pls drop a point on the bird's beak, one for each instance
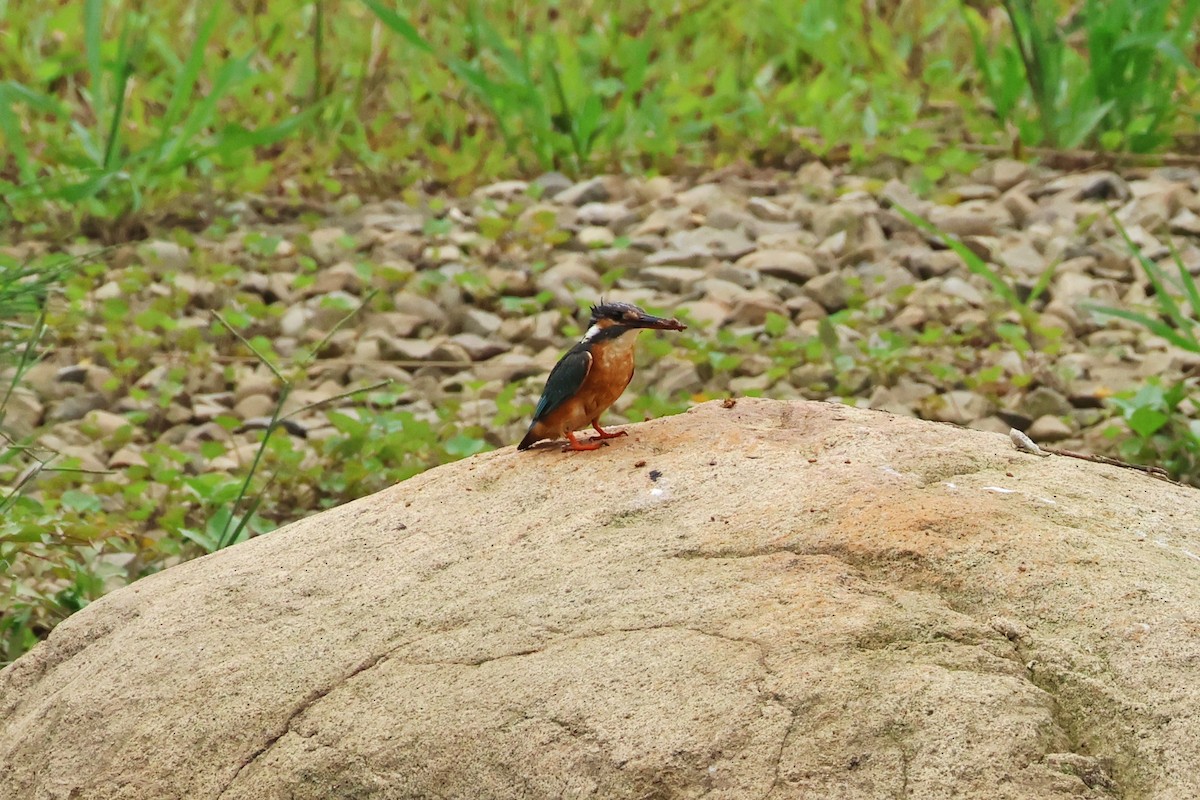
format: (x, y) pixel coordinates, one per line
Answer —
(660, 323)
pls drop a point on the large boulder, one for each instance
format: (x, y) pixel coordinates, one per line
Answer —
(768, 600)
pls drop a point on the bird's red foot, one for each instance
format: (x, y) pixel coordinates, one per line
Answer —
(605, 434)
(575, 444)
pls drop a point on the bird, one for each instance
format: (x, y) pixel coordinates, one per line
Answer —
(591, 376)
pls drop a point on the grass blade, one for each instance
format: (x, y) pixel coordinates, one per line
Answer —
(185, 81)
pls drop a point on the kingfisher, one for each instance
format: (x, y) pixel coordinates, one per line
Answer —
(591, 376)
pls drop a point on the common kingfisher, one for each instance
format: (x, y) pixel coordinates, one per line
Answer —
(591, 376)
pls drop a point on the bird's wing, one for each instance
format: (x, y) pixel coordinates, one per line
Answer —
(564, 381)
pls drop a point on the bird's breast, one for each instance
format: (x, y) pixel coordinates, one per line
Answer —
(612, 368)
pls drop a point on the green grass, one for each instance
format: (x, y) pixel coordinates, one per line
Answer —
(113, 112)
(1106, 77)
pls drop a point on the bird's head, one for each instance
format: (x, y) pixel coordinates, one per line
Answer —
(610, 320)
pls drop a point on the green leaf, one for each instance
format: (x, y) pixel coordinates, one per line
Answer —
(1146, 421)
(463, 445)
(83, 502)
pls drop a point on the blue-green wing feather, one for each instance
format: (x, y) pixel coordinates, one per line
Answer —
(564, 381)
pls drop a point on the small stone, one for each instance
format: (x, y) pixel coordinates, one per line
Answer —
(703, 198)
(753, 307)
(327, 244)
(1049, 429)
(105, 423)
(73, 408)
(727, 218)
(296, 320)
(1186, 222)
(967, 219)
(1019, 206)
(169, 256)
(767, 210)
(479, 348)
(845, 215)
(76, 373)
(415, 306)
(406, 349)
(254, 405)
(976, 191)
(910, 318)
(881, 278)
(566, 277)
(1007, 173)
(674, 377)
(672, 257)
(958, 407)
(706, 313)
(669, 279)
(926, 263)
(545, 329)
(552, 184)
(441, 254)
(732, 273)
(502, 190)
(706, 241)
(126, 457)
(254, 383)
(108, 291)
(594, 237)
(22, 414)
(341, 277)
(831, 290)
(990, 424)
(1021, 257)
(656, 188)
(480, 322)
(1043, 401)
(601, 213)
(508, 367)
(592, 190)
(790, 265)
(957, 287)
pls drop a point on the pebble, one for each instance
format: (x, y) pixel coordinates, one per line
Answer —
(508, 367)
(480, 348)
(480, 322)
(1043, 401)
(1049, 429)
(328, 244)
(711, 242)
(678, 280)
(592, 190)
(725, 254)
(254, 405)
(552, 184)
(765, 209)
(832, 291)
(602, 214)
(594, 237)
(105, 423)
(502, 190)
(23, 413)
(790, 265)
(958, 407)
(76, 407)
(165, 256)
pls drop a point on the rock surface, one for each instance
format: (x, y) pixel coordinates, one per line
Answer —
(772, 600)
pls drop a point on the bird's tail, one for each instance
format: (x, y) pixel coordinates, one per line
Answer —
(529, 439)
